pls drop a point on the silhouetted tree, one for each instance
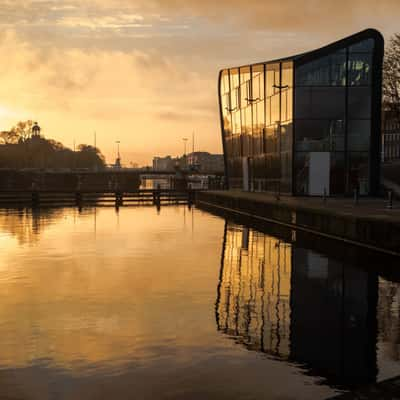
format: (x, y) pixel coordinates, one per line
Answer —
(391, 77)
(17, 133)
(18, 149)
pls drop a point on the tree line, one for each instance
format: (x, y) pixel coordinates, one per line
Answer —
(20, 149)
(391, 78)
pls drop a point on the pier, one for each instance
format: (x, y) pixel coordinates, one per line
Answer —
(373, 223)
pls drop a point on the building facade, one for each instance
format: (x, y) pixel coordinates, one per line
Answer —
(203, 161)
(164, 163)
(308, 124)
(390, 137)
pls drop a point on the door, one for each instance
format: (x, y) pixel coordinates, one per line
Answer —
(319, 173)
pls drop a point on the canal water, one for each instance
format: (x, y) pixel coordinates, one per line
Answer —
(182, 304)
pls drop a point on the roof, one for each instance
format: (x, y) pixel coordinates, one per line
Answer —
(327, 49)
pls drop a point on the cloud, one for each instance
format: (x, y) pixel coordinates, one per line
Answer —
(147, 96)
(146, 70)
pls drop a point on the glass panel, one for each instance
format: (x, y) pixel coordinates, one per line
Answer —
(275, 110)
(365, 46)
(337, 174)
(320, 103)
(320, 135)
(273, 79)
(359, 69)
(328, 103)
(271, 140)
(245, 86)
(287, 91)
(326, 71)
(245, 110)
(258, 82)
(258, 107)
(234, 80)
(287, 74)
(225, 103)
(286, 137)
(359, 172)
(302, 102)
(359, 133)
(359, 102)
(301, 167)
(236, 122)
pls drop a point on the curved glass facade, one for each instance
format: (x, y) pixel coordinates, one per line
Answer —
(306, 125)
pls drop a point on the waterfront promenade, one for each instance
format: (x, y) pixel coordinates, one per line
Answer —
(368, 222)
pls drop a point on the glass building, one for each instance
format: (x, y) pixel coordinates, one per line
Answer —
(307, 124)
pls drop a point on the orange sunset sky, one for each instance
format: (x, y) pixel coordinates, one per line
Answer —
(145, 71)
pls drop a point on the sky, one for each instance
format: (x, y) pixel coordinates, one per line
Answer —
(144, 72)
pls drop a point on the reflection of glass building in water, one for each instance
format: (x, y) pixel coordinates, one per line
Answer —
(297, 305)
(254, 294)
(306, 124)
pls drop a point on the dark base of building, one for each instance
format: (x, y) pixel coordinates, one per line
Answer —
(368, 223)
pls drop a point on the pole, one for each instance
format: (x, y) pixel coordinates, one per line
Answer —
(118, 142)
(184, 146)
(184, 151)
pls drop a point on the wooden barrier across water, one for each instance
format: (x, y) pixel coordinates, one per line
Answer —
(156, 197)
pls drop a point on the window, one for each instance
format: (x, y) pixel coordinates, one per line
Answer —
(320, 102)
(359, 102)
(320, 135)
(358, 136)
(359, 69)
(326, 71)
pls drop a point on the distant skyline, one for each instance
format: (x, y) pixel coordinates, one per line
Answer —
(144, 72)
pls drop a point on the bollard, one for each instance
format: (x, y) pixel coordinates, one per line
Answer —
(355, 197)
(118, 198)
(390, 200)
(158, 196)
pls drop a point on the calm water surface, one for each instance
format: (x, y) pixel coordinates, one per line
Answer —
(182, 304)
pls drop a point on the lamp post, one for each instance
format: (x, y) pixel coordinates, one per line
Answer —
(118, 160)
(184, 150)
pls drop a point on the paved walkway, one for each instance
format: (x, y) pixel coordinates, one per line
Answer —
(369, 208)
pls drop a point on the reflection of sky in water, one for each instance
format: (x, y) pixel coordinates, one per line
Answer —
(104, 304)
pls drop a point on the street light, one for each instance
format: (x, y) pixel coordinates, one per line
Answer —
(118, 142)
(184, 145)
(184, 151)
(118, 160)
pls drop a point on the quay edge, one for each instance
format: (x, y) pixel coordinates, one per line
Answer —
(368, 225)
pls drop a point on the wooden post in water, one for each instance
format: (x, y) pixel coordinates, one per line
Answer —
(158, 196)
(190, 194)
(78, 193)
(35, 195)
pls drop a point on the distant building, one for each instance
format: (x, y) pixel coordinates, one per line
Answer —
(164, 163)
(205, 162)
(390, 137)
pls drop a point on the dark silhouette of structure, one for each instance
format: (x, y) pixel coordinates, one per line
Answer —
(307, 124)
